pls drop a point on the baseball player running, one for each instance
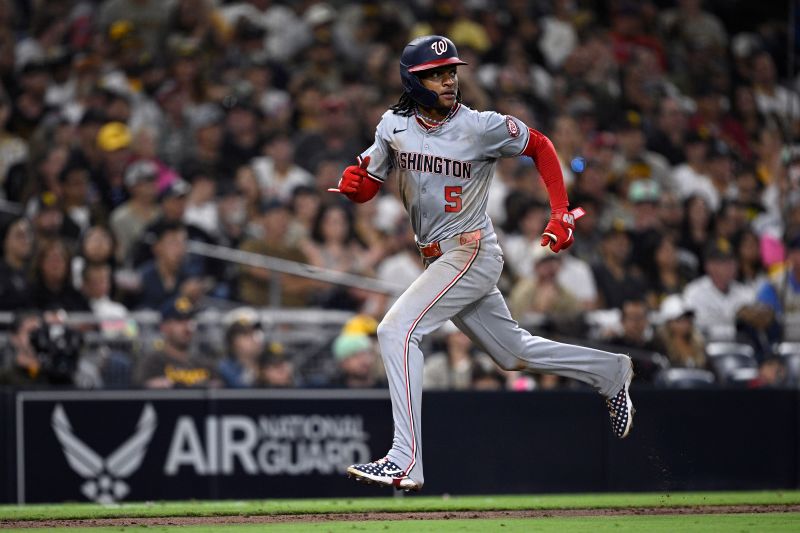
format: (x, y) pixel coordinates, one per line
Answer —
(445, 153)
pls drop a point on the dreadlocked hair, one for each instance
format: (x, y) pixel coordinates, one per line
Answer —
(406, 106)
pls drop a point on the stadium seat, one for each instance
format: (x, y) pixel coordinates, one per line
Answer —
(728, 357)
(685, 378)
(790, 353)
(718, 348)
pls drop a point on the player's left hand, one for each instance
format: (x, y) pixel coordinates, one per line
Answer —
(560, 229)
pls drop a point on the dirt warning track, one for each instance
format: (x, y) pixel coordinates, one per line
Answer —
(360, 517)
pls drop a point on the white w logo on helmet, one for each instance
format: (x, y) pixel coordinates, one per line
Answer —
(439, 47)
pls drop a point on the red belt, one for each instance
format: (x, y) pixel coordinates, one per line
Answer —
(436, 249)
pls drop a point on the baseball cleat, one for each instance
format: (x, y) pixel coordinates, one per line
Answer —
(383, 472)
(620, 409)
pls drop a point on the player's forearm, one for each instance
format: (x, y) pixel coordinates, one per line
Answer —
(544, 155)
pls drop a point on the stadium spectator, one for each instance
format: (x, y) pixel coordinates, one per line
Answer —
(114, 140)
(47, 219)
(277, 173)
(242, 141)
(634, 161)
(52, 283)
(751, 271)
(637, 338)
(717, 299)
(171, 272)
(277, 371)
(356, 361)
(257, 285)
(95, 248)
(542, 294)
(177, 363)
(682, 342)
(771, 98)
(667, 272)
(247, 184)
(129, 220)
(488, 378)
(19, 362)
(244, 345)
(17, 239)
(334, 245)
(666, 137)
(690, 177)
(96, 288)
(451, 368)
(781, 294)
(79, 210)
(616, 277)
(696, 227)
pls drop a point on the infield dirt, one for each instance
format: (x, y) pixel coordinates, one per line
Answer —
(360, 517)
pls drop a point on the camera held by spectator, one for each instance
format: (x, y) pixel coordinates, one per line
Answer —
(57, 347)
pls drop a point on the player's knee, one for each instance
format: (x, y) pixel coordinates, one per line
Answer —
(387, 331)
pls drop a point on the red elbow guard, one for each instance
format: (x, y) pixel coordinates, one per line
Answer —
(366, 192)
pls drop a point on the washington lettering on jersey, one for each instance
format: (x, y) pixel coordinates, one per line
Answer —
(434, 164)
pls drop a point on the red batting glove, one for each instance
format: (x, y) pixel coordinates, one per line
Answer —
(559, 230)
(353, 176)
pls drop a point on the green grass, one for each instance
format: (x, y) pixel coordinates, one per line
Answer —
(415, 503)
(740, 523)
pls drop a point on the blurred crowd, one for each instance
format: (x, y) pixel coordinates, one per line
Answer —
(131, 128)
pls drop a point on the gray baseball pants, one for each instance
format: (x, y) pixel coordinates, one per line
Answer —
(462, 285)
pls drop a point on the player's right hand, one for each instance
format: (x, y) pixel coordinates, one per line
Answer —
(353, 176)
(560, 229)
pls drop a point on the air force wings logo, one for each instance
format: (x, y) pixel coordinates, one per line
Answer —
(105, 476)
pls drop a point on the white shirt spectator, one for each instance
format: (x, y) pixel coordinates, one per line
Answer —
(274, 185)
(688, 182)
(575, 275)
(715, 311)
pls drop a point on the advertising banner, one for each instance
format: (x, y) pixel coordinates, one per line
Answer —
(109, 446)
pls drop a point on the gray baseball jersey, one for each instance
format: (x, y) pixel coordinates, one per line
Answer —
(445, 172)
(444, 179)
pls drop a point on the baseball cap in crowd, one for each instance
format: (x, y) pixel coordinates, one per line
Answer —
(360, 325)
(695, 136)
(617, 227)
(274, 354)
(179, 308)
(348, 345)
(140, 172)
(630, 121)
(242, 320)
(113, 136)
(719, 249)
(673, 307)
(177, 189)
(644, 191)
(243, 317)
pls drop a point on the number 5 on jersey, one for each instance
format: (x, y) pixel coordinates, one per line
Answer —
(452, 197)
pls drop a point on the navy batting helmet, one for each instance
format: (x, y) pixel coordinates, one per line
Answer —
(424, 53)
